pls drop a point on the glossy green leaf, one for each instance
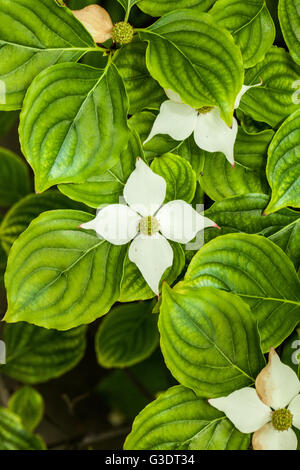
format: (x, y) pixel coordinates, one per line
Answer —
(159, 8)
(35, 355)
(209, 67)
(134, 286)
(127, 335)
(189, 150)
(142, 90)
(219, 180)
(14, 178)
(73, 124)
(283, 168)
(209, 339)
(276, 98)
(289, 17)
(17, 219)
(59, 276)
(288, 238)
(14, 436)
(28, 404)
(107, 188)
(179, 176)
(32, 39)
(260, 272)
(251, 25)
(179, 420)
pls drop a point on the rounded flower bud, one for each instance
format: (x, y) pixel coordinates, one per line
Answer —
(97, 21)
(122, 33)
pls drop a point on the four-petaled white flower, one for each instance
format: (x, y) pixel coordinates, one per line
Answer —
(2, 352)
(180, 120)
(270, 411)
(143, 219)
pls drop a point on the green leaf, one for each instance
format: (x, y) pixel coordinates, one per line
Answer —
(32, 39)
(203, 52)
(13, 436)
(107, 188)
(159, 8)
(219, 180)
(179, 420)
(74, 123)
(127, 335)
(283, 168)
(288, 238)
(209, 339)
(142, 90)
(59, 276)
(29, 405)
(275, 99)
(250, 24)
(189, 150)
(14, 178)
(289, 17)
(260, 272)
(134, 286)
(179, 176)
(244, 214)
(35, 355)
(17, 219)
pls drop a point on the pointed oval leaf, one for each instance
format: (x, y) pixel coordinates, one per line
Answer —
(59, 276)
(203, 52)
(28, 404)
(127, 335)
(66, 131)
(32, 39)
(179, 420)
(283, 168)
(35, 355)
(260, 272)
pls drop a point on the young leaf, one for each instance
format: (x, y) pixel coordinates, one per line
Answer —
(35, 355)
(260, 272)
(283, 168)
(289, 17)
(209, 67)
(179, 176)
(32, 39)
(159, 8)
(179, 420)
(14, 178)
(74, 123)
(127, 335)
(59, 276)
(17, 219)
(209, 339)
(14, 436)
(251, 25)
(276, 98)
(28, 404)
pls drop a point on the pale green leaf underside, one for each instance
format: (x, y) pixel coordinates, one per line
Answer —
(33, 38)
(209, 339)
(35, 355)
(73, 123)
(283, 168)
(179, 420)
(59, 276)
(209, 67)
(257, 270)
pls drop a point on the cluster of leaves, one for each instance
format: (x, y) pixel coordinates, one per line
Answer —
(86, 110)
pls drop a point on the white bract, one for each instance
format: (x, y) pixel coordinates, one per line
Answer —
(148, 224)
(2, 352)
(270, 411)
(180, 120)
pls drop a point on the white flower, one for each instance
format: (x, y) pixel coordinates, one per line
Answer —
(2, 352)
(143, 219)
(270, 411)
(179, 120)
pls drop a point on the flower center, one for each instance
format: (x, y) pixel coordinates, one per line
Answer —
(148, 225)
(122, 33)
(282, 419)
(204, 110)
